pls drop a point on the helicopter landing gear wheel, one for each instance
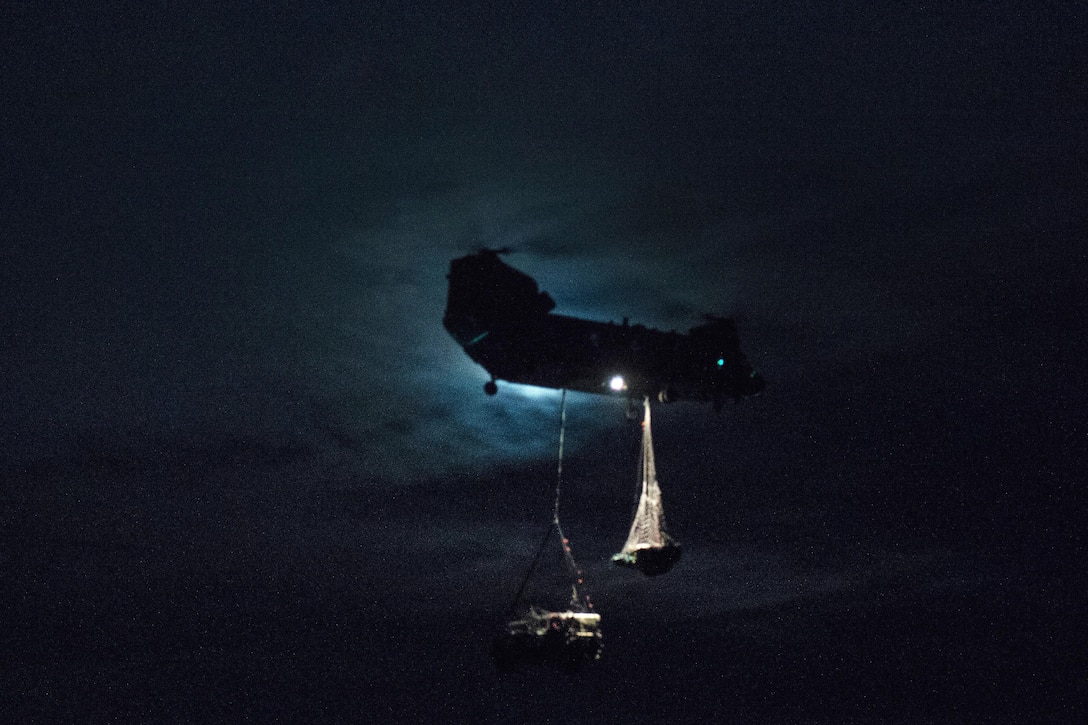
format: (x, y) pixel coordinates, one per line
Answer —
(490, 387)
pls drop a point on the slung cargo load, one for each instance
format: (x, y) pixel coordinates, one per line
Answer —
(648, 548)
(569, 639)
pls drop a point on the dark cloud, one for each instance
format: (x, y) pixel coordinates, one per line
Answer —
(248, 473)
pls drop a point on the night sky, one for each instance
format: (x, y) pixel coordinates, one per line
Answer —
(247, 474)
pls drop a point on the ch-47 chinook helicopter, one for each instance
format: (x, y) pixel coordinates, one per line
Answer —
(505, 323)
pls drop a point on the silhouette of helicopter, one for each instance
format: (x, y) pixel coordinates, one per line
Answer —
(505, 323)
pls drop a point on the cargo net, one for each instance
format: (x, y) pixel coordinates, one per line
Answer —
(649, 548)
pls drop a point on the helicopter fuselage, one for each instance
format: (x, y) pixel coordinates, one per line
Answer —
(503, 323)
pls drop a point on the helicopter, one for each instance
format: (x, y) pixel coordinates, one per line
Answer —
(505, 323)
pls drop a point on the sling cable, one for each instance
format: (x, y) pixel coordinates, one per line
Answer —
(569, 638)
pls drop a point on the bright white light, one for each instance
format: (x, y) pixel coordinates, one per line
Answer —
(617, 384)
